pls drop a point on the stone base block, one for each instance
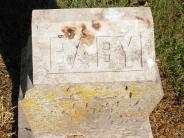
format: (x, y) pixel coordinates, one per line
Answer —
(92, 110)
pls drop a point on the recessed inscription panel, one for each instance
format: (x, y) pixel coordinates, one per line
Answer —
(110, 53)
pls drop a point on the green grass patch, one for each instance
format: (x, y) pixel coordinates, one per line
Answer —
(169, 33)
(91, 3)
(169, 36)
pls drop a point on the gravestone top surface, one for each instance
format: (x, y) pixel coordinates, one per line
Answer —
(93, 45)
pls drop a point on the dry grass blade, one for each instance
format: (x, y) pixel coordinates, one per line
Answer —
(6, 109)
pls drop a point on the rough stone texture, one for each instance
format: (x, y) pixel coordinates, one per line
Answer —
(68, 47)
(89, 109)
(24, 130)
(94, 74)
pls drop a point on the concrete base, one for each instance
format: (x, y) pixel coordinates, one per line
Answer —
(130, 131)
(92, 109)
(24, 130)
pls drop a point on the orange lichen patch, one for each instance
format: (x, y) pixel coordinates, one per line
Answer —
(69, 32)
(146, 21)
(78, 116)
(96, 24)
(86, 37)
(133, 89)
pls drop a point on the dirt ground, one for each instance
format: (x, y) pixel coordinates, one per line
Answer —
(167, 119)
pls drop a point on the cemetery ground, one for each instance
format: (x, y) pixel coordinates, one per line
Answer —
(167, 119)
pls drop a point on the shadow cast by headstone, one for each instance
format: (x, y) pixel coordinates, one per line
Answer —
(15, 28)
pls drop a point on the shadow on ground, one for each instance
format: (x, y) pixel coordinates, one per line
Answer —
(15, 27)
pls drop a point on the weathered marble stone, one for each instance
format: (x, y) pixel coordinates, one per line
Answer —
(94, 74)
(92, 45)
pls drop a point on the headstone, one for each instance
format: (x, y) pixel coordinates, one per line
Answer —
(94, 74)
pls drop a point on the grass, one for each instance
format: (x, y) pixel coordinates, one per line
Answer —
(169, 37)
(169, 31)
(6, 118)
(91, 3)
